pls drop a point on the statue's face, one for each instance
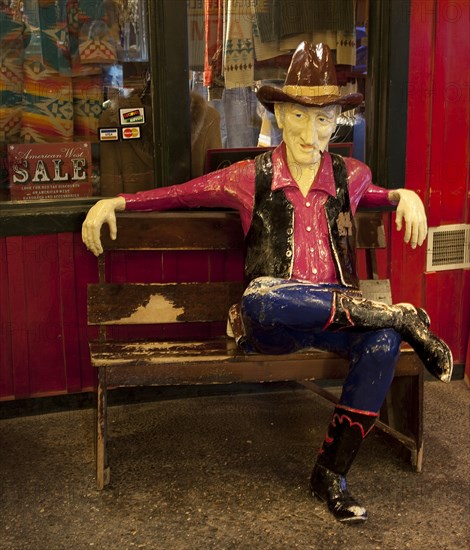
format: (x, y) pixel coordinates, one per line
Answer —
(306, 131)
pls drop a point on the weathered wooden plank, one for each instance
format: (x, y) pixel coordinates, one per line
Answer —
(137, 304)
(221, 372)
(218, 355)
(208, 230)
(217, 349)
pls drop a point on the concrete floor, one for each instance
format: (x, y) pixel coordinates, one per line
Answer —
(229, 472)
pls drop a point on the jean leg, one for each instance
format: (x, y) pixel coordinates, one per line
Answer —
(271, 302)
(373, 357)
(285, 316)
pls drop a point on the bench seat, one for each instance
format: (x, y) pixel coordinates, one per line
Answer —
(217, 361)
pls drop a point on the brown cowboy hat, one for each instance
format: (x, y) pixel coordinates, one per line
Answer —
(310, 81)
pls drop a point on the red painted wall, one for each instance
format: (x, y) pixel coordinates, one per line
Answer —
(438, 160)
(43, 347)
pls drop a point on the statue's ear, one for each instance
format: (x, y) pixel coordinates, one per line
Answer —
(279, 114)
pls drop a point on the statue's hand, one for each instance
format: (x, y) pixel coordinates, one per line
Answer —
(102, 212)
(411, 209)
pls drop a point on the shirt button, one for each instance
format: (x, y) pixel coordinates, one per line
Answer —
(307, 204)
(312, 250)
(308, 228)
(289, 253)
(314, 270)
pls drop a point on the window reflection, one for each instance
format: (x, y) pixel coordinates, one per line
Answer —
(236, 46)
(67, 67)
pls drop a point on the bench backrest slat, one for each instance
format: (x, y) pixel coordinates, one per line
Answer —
(208, 230)
(140, 304)
(176, 231)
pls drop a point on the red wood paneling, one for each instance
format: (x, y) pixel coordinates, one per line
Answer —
(69, 312)
(467, 364)
(43, 316)
(15, 283)
(445, 309)
(437, 159)
(6, 372)
(450, 114)
(407, 266)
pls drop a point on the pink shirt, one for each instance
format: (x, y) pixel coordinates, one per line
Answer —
(234, 187)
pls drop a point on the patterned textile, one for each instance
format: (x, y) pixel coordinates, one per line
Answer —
(266, 15)
(47, 86)
(11, 84)
(196, 37)
(51, 80)
(47, 21)
(95, 45)
(342, 42)
(73, 21)
(285, 24)
(97, 37)
(46, 93)
(346, 48)
(277, 19)
(263, 50)
(87, 107)
(279, 27)
(11, 75)
(214, 31)
(238, 47)
(48, 107)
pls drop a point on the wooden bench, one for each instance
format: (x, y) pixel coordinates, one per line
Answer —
(170, 332)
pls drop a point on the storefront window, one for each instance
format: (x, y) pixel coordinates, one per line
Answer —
(236, 46)
(75, 110)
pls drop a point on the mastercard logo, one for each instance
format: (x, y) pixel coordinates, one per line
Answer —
(131, 132)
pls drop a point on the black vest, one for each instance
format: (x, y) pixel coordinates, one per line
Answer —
(270, 239)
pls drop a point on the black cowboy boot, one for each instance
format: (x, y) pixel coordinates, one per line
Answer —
(345, 434)
(412, 324)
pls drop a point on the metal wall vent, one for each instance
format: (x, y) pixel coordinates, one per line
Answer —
(448, 247)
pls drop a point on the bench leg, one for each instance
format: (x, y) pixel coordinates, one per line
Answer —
(402, 415)
(102, 468)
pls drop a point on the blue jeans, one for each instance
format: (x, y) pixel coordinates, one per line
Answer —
(283, 316)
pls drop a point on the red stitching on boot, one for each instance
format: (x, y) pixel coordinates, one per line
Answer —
(351, 423)
(358, 411)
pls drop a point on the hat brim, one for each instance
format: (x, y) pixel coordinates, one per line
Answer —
(268, 96)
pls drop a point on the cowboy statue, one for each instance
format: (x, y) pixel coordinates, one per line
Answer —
(297, 206)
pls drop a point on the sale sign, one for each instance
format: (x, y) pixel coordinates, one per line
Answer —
(49, 170)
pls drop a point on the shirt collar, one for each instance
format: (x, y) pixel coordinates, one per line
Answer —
(324, 180)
